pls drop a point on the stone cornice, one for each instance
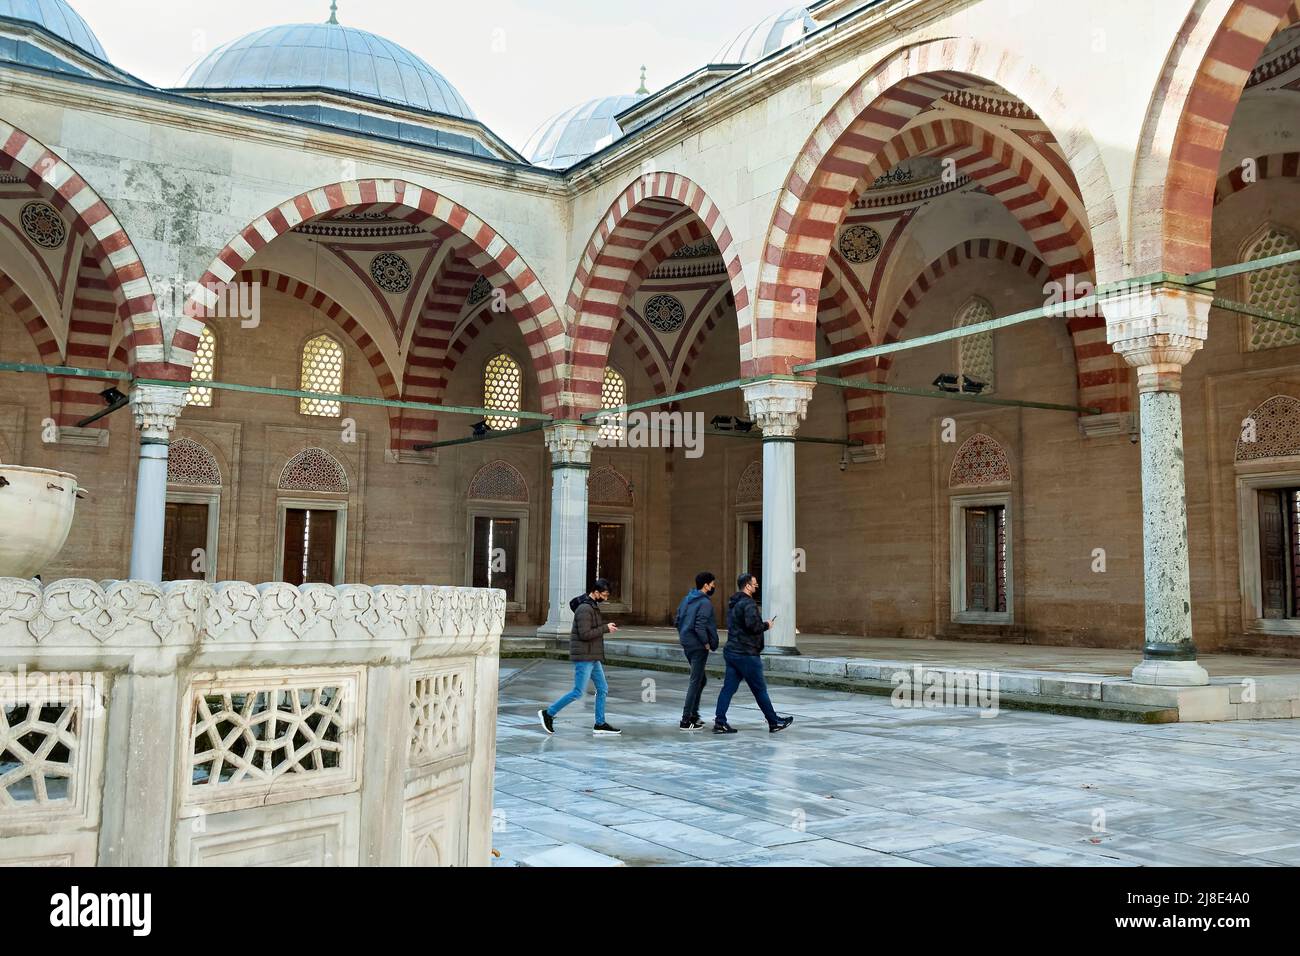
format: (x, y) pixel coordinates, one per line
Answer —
(76, 615)
(249, 125)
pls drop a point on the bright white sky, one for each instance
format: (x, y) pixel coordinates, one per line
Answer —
(557, 53)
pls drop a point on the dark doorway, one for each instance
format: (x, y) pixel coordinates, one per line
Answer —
(309, 537)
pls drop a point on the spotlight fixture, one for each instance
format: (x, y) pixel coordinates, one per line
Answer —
(948, 382)
(730, 423)
(112, 396)
(481, 429)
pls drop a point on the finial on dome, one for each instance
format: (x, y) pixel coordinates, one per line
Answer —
(334, 13)
(643, 91)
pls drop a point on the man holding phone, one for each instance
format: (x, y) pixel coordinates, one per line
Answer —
(745, 630)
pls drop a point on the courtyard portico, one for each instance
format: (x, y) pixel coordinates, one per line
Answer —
(972, 342)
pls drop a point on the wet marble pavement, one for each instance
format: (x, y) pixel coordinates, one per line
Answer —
(859, 782)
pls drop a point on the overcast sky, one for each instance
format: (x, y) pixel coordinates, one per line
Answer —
(516, 62)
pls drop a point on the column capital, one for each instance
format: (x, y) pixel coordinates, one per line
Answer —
(570, 443)
(778, 406)
(156, 408)
(1157, 329)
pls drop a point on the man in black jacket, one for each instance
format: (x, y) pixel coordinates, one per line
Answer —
(745, 630)
(587, 651)
(697, 629)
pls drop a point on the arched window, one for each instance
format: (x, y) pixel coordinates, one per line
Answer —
(503, 387)
(205, 369)
(322, 371)
(613, 394)
(975, 352)
(1275, 290)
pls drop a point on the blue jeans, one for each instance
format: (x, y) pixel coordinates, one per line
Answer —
(749, 668)
(584, 671)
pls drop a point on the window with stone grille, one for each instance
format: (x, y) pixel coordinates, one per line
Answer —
(975, 352)
(1275, 290)
(205, 370)
(322, 371)
(613, 394)
(503, 388)
(1279, 552)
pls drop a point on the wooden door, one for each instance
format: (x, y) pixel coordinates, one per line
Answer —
(185, 530)
(309, 545)
(1273, 546)
(978, 549)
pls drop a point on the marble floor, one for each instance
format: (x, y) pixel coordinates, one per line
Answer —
(858, 782)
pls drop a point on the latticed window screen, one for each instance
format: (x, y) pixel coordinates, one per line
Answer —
(503, 387)
(613, 393)
(322, 371)
(1275, 290)
(975, 352)
(205, 369)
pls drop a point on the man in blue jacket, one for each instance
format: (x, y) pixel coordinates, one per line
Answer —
(697, 629)
(745, 630)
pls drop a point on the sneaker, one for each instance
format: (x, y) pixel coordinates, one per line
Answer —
(724, 729)
(691, 724)
(780, 725)
(605, 730)
(547, 720)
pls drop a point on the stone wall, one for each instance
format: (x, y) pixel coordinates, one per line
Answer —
(246, 725)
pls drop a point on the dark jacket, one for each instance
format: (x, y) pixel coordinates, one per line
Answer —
(697, 628)
(587, 639)
(745, 626)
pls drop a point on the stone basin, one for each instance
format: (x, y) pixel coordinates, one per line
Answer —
(36, 508)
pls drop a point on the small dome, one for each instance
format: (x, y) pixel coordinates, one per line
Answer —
(579, 132)
(332, 57)
(58, 18)
(775, 33)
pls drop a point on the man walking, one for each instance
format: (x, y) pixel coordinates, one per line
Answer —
(587, 651)
(745, 630)
(697, 629)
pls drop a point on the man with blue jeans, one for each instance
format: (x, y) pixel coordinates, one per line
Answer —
(745, 630)
(698, 632)
(587, 651)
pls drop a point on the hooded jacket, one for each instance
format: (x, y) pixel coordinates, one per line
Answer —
(697, 628)
(587, 639)
(745, 626)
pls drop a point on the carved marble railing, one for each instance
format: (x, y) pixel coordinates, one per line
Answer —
(237, 724)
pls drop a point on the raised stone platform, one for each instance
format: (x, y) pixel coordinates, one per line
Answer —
(1262, 689)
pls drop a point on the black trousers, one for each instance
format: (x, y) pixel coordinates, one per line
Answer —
(695, 689)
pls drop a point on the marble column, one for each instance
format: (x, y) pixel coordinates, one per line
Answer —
(570, 446)
(156, 408)
(1157, 331)
(778, 407)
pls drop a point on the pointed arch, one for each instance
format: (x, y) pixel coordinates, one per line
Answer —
(314, 469)
(1180, 152)
(498, 481)
(619, 254)
(487, 250)
(828, 174)
(105, 238)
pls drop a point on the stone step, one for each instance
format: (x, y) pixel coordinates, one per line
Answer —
(570, 854)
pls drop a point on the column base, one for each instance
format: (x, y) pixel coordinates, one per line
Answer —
(781, 651)
(556, 631)
(1171, 674)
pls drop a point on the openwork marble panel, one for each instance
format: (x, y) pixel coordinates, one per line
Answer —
(440, 722)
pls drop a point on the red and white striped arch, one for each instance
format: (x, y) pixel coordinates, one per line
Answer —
(1010, 175)
(1272, 166)
(1179, 156)
(487, 251)
(425, 377)
(830, 171)
(47, 347)
(104, 236)
(620, 253)
(349, 326)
